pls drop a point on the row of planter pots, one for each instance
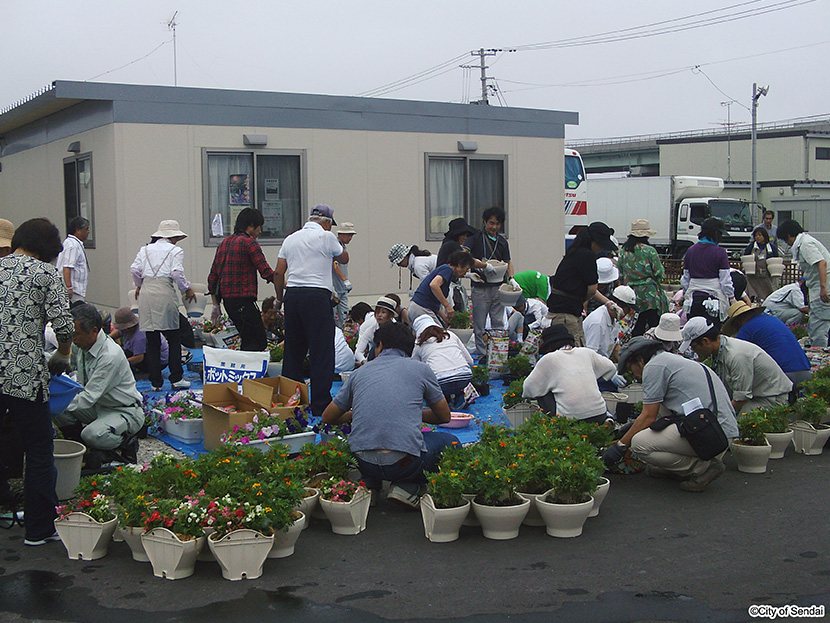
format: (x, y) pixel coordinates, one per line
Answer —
(806, 438)
(443, 525)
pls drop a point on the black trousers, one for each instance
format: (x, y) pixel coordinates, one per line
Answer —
(646, 319)
(309, 328)
(153, 356)
(247, 319)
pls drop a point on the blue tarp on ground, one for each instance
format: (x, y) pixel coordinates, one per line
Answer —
(485, 408)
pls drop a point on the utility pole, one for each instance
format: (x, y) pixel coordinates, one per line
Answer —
(756, 95)
(171, 25)
(482, 53)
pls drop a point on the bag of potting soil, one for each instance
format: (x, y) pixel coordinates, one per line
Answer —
(530, 347)
(497, 348)
(470, 395)
(223, 365)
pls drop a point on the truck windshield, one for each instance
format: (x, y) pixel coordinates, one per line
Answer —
(734, 214)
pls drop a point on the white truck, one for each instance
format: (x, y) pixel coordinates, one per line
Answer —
(675, 206)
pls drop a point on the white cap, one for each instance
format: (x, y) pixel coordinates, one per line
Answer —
(625, 294)
(423, 322)
(669, 328)
(693, 329)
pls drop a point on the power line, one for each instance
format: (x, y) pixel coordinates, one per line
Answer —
(132, 62)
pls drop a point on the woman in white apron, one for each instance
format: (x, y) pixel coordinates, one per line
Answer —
(706, 278)
(158, 274)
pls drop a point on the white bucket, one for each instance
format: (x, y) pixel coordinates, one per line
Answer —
(68, 459)
(508, 295)
(501, 269)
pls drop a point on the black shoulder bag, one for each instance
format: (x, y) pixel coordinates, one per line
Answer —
(702, 429)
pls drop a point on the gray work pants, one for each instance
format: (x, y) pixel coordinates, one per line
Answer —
(486, 302)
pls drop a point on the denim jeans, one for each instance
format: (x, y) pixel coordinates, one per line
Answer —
(33, 420)
(411, 476)
(454, 391)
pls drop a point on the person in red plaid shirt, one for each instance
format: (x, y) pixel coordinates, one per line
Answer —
(232, 279)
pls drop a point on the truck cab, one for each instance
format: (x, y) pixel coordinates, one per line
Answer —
(696, 199)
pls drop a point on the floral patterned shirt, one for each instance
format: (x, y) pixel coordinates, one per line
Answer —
(32, 293)
(642, 270)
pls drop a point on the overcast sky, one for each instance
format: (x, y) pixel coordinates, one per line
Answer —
(350, 48)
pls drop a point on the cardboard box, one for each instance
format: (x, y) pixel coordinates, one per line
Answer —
(215, 420)
(266, 391)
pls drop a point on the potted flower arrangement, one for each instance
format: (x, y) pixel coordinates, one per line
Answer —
(518, 367)
(127, 488)
(779, 434)
(239, 541)
(569, 503)
(751, 449)
(275, 364)
(444, 508)
(86, 526)
(265, 430)
(461, 324)
(481, 380)
(180, 415)
(320, 462)
(810, 434)
(346, 505)
(174, 535)
(515, 407)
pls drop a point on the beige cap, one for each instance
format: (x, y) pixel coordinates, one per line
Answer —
(6, 233)
(169, 229)
(346, 228)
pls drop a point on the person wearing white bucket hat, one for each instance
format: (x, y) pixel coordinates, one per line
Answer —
(6, 233)
(641, 268)
(158, 270)
(667, 332)
(340, 277)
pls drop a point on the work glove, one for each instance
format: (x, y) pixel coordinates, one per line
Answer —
(490, 269)
(619, 380)
(515, 284)
(348, 285)
(58, 364)
(214, 314)
(613, 455)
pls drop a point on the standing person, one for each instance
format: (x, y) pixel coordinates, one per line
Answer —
(431, 296)
(642, 269)
(303, 275)
(32, 294)
(444, 353)
(576, 280)
(488, 244)
(232, 279)
(6, 234)
(763, 248)
(340, 277)
(669, 381)
(788, 304)
(72, 262)
(812, 258)
(158, 270)
(772, 230)
(706, 278)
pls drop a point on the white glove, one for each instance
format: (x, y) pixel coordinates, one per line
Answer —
(490, 269)
(348, 285)
(214, 314)
(619, 380)
(515, 284)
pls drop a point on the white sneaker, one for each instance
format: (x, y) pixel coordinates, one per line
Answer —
(401, 496)
(180, 384)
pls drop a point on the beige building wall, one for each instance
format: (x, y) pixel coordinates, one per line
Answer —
(143, 173)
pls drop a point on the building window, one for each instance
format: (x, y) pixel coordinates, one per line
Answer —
(822, 153)
(271, 182)
(462, 186)
(77, 192)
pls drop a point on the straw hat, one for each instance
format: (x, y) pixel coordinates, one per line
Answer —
(641, 228)
(169, 229)
(739, 308)
(385, 302)
(6, 233)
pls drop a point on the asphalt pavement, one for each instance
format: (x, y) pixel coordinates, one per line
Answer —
(655, 553)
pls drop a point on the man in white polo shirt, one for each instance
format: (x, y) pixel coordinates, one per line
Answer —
(72, 263)
(303, 281)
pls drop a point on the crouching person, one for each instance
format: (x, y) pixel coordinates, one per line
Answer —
(108, 408)
(669, 381)
(383, 400)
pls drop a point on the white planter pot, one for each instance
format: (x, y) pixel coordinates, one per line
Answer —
(308, 506)
(501, 523)
(517, 414)
(83, 537)
(533, 518)
(274, 369)
(634, 392)
(186, 431)
(779, 443)
(241, 553)
(441, 525)
(599, 495)
(172, 558)
(807, 439)
(751, 459)
(564, 520)
(611, 400)
(132, 536)
(294, 442)
(348, 517)
(284, 541)
(69, 456)
(206, 555)
(471, 519)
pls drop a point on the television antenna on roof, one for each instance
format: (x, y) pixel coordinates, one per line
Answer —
(171, 25)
